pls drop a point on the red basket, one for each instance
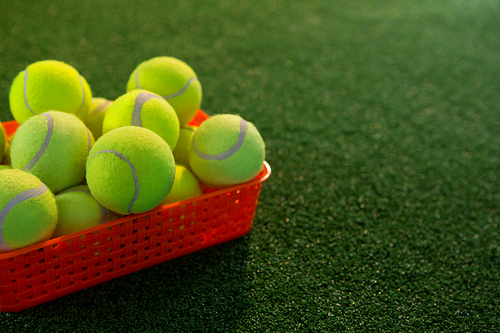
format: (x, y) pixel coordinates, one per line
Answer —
(63, 265)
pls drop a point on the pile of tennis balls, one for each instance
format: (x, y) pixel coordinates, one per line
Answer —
(77, 161)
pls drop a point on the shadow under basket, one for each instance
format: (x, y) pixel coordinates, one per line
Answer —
(45, 271)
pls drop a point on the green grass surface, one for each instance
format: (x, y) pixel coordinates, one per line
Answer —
(382, 126)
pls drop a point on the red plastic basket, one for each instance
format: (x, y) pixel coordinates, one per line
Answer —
(63, 265)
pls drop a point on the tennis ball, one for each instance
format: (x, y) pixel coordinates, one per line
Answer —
(144, 109)
(54, 147)
(3, 142)
(49, 85)
(78, 210)
(130, 170)
(185, 186)
(6, 154)
(28, 211)
(181, 149)
(226, 150)
(174, 80)
(98, 108)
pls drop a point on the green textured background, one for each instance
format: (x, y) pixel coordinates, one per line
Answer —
(382, 125)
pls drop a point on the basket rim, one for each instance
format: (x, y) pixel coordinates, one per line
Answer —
(263, 176)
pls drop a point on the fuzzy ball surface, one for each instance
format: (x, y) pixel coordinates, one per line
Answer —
(143, 109)
(78, 210)
(49, 85)
(28, 212)
(181, 149)
(226, 150)
(130, 170)
(54, 147)
(172, 79)
(98, 108)
(186, 186)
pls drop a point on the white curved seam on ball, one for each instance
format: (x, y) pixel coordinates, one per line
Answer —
(41, 151)
(26, 91)
(136, 181)
(227, 153)
(100, 108)
(140, 99)
(180, 92)
(137, 79)
(25, 195)
(104, 212)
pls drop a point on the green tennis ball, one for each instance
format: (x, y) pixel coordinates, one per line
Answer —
(226, 150)
(78, 210)
(174, 80)
(130, 170)
(181, 149)
(98, 108)
(3, 142)
(54, 147)
(49, 85)
(144, 109)
(28, 212)
(185, 186)
(6, 153)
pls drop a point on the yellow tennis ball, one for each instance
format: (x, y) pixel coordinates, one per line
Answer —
(144, 109)
(49, 85)
(173, 79)
(54, 147)
(186, 186)
(28, 212)
(226, 150)
(6, 154)
(130, 170)
(181, 149)
(78, 210)
(98, 108)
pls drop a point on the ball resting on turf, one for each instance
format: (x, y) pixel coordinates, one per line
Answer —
(49, 85)
(226, 150)
(28, 212)
(172, 79)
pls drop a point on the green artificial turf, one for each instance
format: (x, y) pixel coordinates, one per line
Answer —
(382, 125)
